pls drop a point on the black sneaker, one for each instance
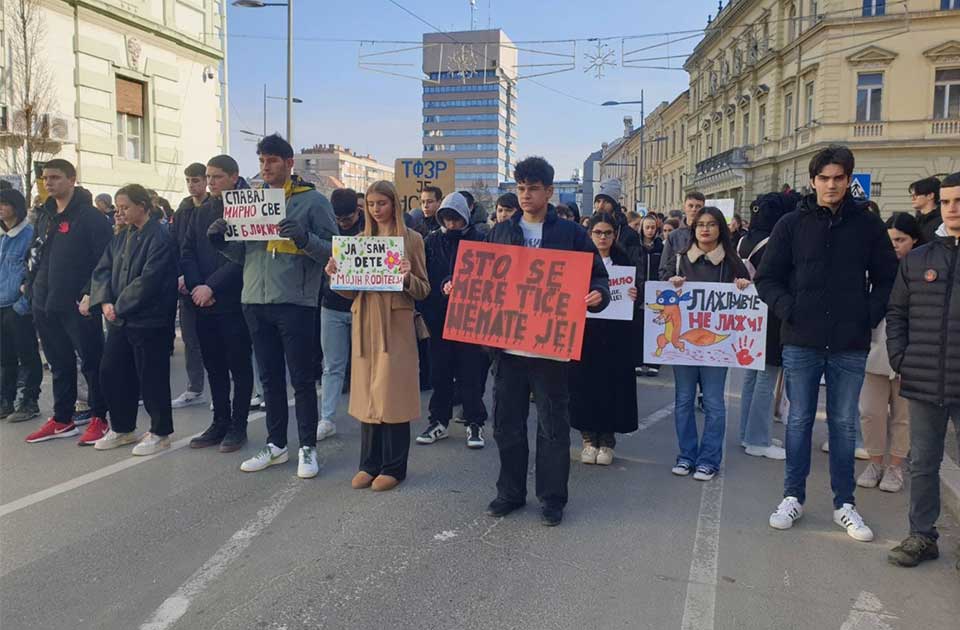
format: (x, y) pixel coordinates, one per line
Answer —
(475, 436)
(551, 516)
(25, 411)
(211, 437)
(433, 433)
(914, 550)
(501, 507)
(6, 409)
(653, 372)
(234, 440)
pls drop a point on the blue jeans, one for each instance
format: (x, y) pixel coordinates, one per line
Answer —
(335, 343)
(756, 406)
(803, 368)
(705, 451)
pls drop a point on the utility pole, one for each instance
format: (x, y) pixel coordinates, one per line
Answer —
(640, 194)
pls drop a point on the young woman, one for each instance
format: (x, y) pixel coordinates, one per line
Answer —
(633, 220)
(710, 257)
(884, 414)
(669, 226)
(650, 253)
(384, 374)
(603, 387)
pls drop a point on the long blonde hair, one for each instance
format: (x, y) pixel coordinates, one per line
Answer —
(388, 190)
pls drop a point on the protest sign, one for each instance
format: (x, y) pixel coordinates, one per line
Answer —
(726, 206)
(254, 215)
(412, 175)
(367, 263)
(704, 323)
(519, 298)
(622, 278)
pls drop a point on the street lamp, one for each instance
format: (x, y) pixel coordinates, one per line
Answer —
(265, 97)
(258, 4)
(640, 192)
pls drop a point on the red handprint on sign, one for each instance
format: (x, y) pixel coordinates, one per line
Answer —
(743, 349)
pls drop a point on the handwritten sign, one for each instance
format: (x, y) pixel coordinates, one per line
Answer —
(622, 278)
(412, 175)
(704, 323)
(254, 215)
(519, 298)
(367, 263)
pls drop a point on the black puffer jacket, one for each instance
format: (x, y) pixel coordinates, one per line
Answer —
(648, 265)
(923, 323)
(138, 275)
(182, 219)
(627, 238)
(828, 276)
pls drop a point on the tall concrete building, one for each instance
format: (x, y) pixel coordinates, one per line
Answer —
(470, 104)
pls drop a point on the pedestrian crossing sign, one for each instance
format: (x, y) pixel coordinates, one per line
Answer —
(860, 185)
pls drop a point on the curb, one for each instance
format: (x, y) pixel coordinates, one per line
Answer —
(950, 483)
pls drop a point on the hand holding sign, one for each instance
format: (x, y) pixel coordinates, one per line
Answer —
(294, 231)
(368, 263)
(255, 215)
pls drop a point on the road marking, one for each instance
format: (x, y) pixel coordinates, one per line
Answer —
(868, 614)
(699, 608)
(652, 419)
(177, 604)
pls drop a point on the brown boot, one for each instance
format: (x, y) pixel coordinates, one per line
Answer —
(384, 482)
(361, 480)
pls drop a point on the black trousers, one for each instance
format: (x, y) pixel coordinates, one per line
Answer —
(19, 351)
(451, 360)
(64, 335)
(515, 378)
(136, 362)
(284, 337)
(384, 449)
(600, 439)
(227, 354)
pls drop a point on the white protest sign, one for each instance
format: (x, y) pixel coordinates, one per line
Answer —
(367, 263)
(726, 206)
(622, 278)
(254, 215)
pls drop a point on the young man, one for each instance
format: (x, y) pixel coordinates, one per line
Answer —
(607, 202)
(281, 282)
(213, 284)
(336, 319)
(923, 328)
(69, 238)
(827, 274)
(451, 360)
(925, 199)
(679, 238)
(196, 175)
(518, 374)
(424, 218)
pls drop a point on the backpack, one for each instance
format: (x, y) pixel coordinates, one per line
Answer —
(746, 261)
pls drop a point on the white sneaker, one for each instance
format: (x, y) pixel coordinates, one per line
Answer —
(605, 456)
(433, 433)
(704, 474)
(267, 456)
(788, 512)
(770, 452)
(112, 439)
(871, 476)
(682, 469)
(325, 429)
(256, 401)
(151, 444)
(187, 399)
(773, 442)
(589, 454)
(848, 518)
(858, 453)
(308, 467)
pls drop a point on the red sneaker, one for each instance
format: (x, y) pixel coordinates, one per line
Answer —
(97, 428)
(51, 430)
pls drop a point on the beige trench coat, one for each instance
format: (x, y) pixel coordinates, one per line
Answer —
(385, 370)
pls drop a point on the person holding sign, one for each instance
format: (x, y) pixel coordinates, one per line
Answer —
(603, 385)
(384, 387)
(648, 268)
(710, 256)
(517, 374)
(281, 282)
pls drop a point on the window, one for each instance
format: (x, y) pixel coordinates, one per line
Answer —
(130, 123)
(446, 89)
(673, 142)
(733, 133)
(486, 102)
(460, 132)
(719, 144)
(946, 5)
(876, 189)
(808, 98)
(946, 93)
(476, 161)
(869, 96)
(746, 128)
(787, 114)
(476, 74)
(460, 147)
(761, 123)
(792, 24)
(4, 118)
(873, 8)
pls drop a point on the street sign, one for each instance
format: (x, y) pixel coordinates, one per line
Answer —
(411, 175)
(641, 209)
(860, 185)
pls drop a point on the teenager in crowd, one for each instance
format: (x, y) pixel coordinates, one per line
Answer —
(710, 256)
(104, 203)
(603, 387)
(69, 237)
(134, 286)
(668, 226)
(925, 199)
(608, 201)
(633, 220)
(651, 251)
(827, 274)
(214, 285)
(575, 209)
(564, 212)
(281, 282)
(677, 239)
(737, 231)
(18, 338)
(924, 313)
(518, 374)
(384, 393)
(451, 360)
(507, 206)
(424, 219)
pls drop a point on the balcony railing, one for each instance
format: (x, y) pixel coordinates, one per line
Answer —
(733, 158)
(868, 130)
(945, 127)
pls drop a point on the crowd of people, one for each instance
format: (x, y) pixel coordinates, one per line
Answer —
(864, 305)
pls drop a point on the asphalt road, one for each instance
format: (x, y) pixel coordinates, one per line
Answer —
(185, 540)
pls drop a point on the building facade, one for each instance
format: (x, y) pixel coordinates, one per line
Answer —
(795, 76)
(138, 89)
(620, 160)
(665, 158)
(470, 104)
(324, 163)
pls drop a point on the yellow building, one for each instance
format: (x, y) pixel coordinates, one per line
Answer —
(665, 160)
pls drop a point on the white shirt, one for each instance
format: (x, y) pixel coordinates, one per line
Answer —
(532, 233)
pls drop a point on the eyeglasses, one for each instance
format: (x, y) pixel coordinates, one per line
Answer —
(708, 226)
(602, 233)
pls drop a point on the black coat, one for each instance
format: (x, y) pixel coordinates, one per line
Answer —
(628, 238)
(202, 263)
(828, 276)
(703, 270)
(66, 248)
(138, 275)
(648, 264)
(441, 251)
(928, 224)
(182, 218)
(923, 323)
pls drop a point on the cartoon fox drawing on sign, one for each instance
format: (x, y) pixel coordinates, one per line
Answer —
(668, 308)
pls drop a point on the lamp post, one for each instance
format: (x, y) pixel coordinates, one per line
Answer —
(265, 97)
(258, 4)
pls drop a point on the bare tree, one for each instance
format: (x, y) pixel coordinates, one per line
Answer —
(29, 87)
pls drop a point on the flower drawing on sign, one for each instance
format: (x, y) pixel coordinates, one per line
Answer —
(392, 260)
(667, 305)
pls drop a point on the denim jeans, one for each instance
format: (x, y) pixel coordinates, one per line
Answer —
(928, 430)
(756, 406)
(844, 371)
(335, 345)
(706, 450)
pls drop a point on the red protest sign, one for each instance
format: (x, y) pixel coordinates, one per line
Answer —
(519, 298)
